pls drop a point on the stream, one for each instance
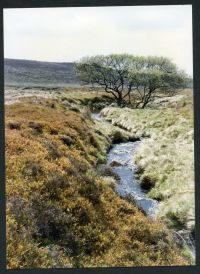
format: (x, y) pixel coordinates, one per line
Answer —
(121, 154)
(120, 158)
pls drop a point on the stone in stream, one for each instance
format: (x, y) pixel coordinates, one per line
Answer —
(115, 164)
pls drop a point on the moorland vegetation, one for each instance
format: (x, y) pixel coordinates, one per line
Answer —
(62, 206)
(62, 211)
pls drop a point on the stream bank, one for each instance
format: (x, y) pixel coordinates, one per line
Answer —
(120, 157)
(81, 220)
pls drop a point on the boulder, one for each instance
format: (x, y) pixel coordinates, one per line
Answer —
(115, 164)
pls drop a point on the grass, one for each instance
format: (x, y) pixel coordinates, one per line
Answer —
(165, 157)
(61, 212)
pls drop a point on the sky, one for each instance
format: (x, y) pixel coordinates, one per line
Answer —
(68, 34)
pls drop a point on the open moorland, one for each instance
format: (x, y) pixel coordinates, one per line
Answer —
(99, 176)
(61, 198)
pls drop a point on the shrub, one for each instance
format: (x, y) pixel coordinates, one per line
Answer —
(14, 125)
(105, 170)
(33, 169)
(146, 182)
(67, 140)
(53, 150)
(94, 141)
(91, 191)
(21, 210)
(37, 127)
(60, 211)
(55, 185)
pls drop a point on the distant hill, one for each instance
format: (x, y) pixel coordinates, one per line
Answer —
(36, 73)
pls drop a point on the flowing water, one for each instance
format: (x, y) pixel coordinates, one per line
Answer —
(120, 157)
(96, 116)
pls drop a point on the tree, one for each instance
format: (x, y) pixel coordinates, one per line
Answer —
(109, 72)
(123, 74)
(157, 77)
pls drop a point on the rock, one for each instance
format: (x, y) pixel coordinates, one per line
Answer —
(115, 164)
(67, 140)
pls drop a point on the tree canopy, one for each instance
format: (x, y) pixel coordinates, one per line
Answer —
(122, 74)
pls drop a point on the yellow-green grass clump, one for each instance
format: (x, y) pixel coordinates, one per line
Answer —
(95, 99)
(60, 212)
(165, 158)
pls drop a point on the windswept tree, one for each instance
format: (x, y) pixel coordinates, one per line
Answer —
(123, 74)
(110, 72)
(156, 77)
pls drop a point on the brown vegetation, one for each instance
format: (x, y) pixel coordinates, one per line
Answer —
(60, 211)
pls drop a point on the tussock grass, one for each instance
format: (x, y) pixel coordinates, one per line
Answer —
(60, 211)
(166, 156)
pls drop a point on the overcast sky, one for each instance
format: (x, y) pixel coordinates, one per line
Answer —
(67, 34)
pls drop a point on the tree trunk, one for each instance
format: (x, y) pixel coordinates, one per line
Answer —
(144, 104)
(119, 99)
(129, 98)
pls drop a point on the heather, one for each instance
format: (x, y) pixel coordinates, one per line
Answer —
(61, 210)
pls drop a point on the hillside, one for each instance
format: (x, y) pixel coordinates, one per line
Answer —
(61, 210)
(35, 73)
(46, 74)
